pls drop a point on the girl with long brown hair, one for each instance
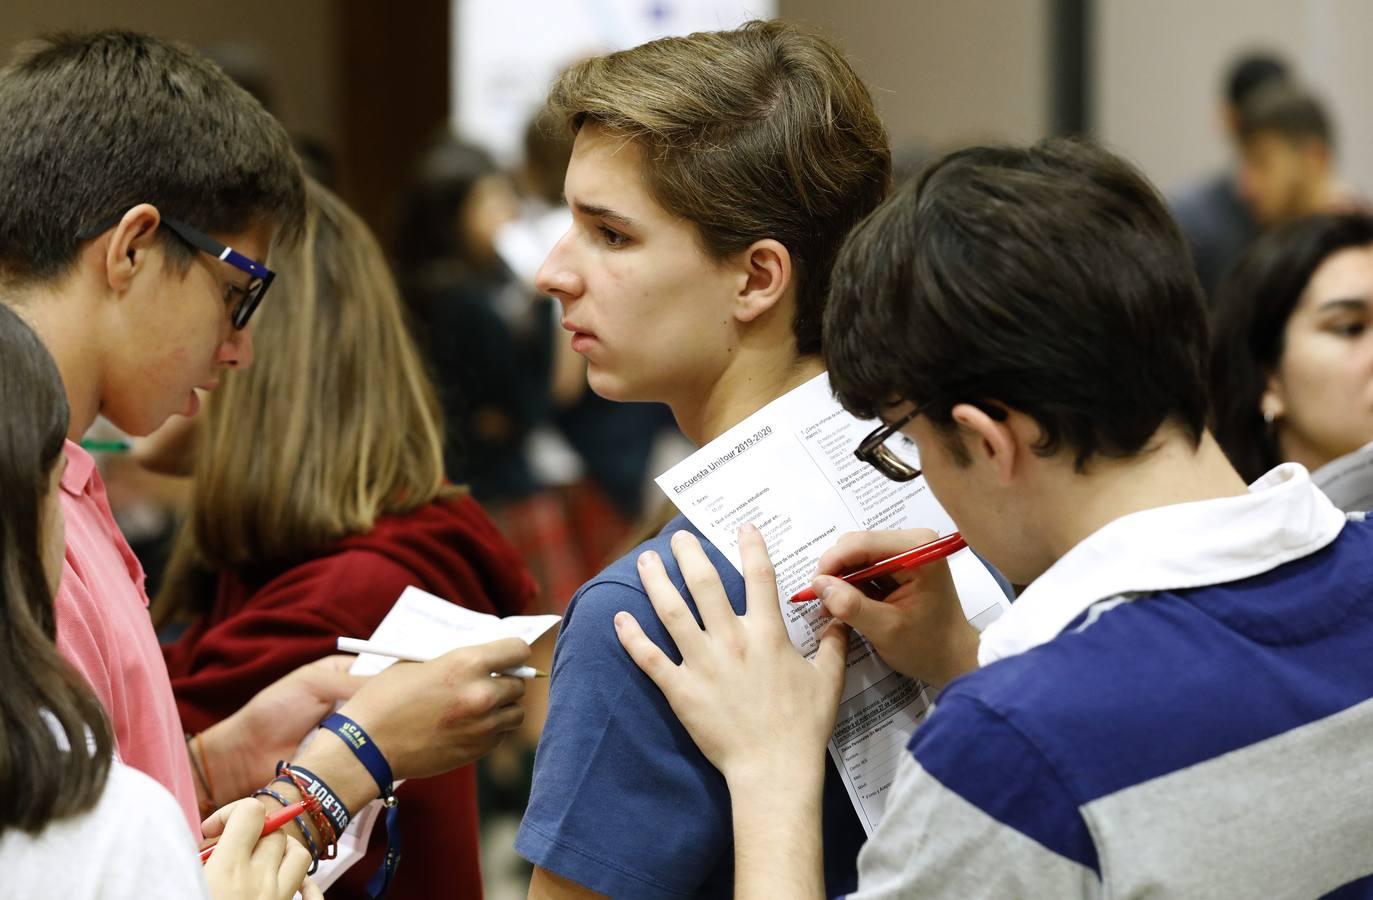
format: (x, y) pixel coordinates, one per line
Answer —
(318, 496)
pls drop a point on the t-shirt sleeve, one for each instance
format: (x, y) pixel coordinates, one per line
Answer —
(977, 811)
(81, 635)
(622, 801)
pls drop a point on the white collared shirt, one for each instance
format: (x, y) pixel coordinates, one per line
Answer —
(1185, 545)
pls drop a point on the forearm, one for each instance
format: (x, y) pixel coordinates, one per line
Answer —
(777, 844)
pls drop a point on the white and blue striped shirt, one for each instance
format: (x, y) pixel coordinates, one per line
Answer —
(1181, 706)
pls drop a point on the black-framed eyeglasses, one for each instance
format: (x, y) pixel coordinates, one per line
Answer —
(876, 452)
(249, 296)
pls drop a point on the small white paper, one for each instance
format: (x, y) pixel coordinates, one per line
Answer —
(789, 469)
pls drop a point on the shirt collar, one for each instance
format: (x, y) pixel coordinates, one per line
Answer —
(1186, 545)
(80, 466)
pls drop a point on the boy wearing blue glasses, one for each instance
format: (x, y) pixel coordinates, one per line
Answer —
(1179, 703)
(140, 193)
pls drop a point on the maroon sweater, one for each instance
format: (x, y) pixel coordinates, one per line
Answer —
(264, 624)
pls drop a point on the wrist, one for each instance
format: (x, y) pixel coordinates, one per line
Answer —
(221, 759)
(797, 778)
(335, 763)
(961, 658)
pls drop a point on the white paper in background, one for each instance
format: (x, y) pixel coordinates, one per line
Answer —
(789, 469)
(426, 626)
(506, 53)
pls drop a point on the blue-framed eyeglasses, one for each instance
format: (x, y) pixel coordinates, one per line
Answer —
(249, 296)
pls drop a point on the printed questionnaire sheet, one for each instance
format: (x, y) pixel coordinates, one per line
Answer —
(790, 470)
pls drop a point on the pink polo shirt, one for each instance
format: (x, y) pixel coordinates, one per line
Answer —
(104, 630)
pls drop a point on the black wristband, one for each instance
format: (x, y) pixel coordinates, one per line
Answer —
(329, 803)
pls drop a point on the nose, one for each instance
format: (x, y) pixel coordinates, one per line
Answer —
(557, 277)
(236, 352)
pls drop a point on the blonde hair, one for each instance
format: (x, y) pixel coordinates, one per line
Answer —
(335, 425)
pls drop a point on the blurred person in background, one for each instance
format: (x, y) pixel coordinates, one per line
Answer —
(1287, 156)
(318, 496)
(1292, 363)
(1213, 216)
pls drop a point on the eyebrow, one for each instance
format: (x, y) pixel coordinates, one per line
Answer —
(603, 212)
(1356, 304)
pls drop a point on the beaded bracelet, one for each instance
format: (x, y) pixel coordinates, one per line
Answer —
(331, 818)
(300, 823)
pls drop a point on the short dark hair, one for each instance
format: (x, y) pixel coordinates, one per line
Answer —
(1049, 279)
(38, 781)
(1252, 308)
(1252, 71)
(429, 229)
(765, 131)
(1287, 110)
(96, 123)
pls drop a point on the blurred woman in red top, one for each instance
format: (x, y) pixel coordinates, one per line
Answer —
(318, 497)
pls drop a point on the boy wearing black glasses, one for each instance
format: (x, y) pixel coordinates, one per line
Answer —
(140, 193)
(1180, 701)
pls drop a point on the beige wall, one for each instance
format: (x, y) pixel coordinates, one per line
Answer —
(1159, 65)
(297, 37)
(945, 71)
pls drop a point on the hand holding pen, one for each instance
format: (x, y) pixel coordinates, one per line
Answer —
(248, 861)
(919, 628)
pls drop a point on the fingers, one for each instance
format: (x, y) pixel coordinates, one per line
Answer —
(862, 548)
(310, 891)
(851, 606)
(294, 864)
(703, 581)
(497, 656)
(268, 854)
(506, 690)
(646, 654)
(237, 825)
(831, 658)
(669, 605)
(760, 580)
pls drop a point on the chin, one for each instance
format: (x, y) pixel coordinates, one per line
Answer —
(609, 387)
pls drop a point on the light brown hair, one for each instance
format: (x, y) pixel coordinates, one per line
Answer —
(761, 132)
(335, 425)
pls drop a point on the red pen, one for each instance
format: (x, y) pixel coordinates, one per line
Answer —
(918, 556)
(273, 822)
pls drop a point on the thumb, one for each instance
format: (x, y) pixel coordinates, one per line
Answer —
(831, 658)
(327, 683)
(496, 656)
(847, 604)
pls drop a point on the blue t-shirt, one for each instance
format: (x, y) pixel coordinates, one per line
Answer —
(623, 802)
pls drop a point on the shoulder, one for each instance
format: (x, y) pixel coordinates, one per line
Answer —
(132, 844)
(618, 587)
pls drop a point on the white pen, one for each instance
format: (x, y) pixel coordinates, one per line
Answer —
(357, 645)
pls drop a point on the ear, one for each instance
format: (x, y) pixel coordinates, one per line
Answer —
(766, 266)
(1273, 400)
(129, 241)
(990, 442)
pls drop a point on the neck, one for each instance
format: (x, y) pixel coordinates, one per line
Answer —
(64, 321)
(1074, 505)
(1292, 448)
(754, 380)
